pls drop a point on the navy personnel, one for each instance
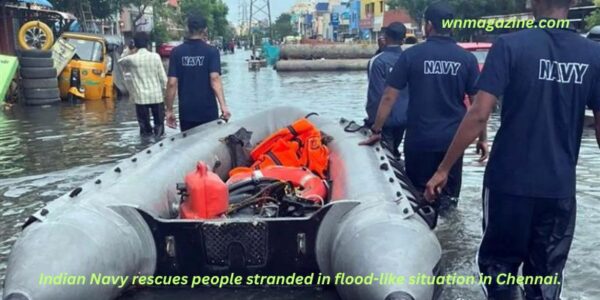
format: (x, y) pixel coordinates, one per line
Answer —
(547, 77)
(438, 74)
(195, 73)
(380, 67)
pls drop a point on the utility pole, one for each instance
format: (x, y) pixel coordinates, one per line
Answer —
(243, 17)
(260, 11)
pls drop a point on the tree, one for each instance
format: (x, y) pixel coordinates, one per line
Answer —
(214, 11)
(165, 17)
(142, 7)
(100, 8)
(415, 8)
(468, 8)
(594, 18)
(283, 26)
(103, 9)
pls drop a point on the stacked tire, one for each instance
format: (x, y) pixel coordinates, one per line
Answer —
(38, 77)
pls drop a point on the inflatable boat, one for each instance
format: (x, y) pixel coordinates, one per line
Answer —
(126, 223)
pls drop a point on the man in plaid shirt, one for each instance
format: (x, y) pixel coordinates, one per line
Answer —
(148, 85)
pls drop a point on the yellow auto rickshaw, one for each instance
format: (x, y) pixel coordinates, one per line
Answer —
(89, 74)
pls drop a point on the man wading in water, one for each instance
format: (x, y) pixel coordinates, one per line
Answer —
(195, 71)
(147, 86)
(547, 77)
(380, 68)
(438, 74)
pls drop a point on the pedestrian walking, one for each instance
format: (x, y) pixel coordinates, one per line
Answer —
(147, 85)
(546, 77)
(129, 49)
(195, 74)
(438, 74)
(380, 67)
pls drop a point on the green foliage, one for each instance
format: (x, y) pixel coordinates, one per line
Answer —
(593, 19)
(65, 5)
(103, 9)
(283, 27)
(160, 34)
(142, 7)
(463, 8)
(215, 12)
(165, 16)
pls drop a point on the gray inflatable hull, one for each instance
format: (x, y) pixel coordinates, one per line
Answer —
(370, 228)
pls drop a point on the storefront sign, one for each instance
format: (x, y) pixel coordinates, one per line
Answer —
(366, 23)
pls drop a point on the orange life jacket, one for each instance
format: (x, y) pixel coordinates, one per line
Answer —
(298, 145)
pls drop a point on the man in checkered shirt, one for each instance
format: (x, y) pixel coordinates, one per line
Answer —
(147, 87)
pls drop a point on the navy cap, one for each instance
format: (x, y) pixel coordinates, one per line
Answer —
(438, 11)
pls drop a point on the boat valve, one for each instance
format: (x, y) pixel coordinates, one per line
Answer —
(182, 191)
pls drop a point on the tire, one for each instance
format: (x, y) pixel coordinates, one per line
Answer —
(32, 62)
(35, 53)
(41, 93)
(45, 83)
(43, 101)
(38, 73)
(35, 35)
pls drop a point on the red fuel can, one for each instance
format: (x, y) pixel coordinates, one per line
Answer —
(208, 195)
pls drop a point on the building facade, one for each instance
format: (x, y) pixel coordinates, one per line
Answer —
(371, 22)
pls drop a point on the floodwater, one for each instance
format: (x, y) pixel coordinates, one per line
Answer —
(48, 151)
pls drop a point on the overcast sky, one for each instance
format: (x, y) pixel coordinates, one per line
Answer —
(277, 8)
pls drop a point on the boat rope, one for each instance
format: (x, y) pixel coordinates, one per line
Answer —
(311, 114)
(355, 129)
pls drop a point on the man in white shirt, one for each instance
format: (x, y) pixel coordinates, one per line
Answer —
(147, 86)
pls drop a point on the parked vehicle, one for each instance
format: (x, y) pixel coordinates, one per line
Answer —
(165, 49)
(594, 34)
(480, 50)
(89, 75)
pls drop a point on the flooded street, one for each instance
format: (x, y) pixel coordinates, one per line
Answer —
(48, 151)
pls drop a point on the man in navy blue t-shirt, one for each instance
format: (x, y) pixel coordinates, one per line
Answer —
(195, 74)
(547, 77)
(438, 74)
(380, 67)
